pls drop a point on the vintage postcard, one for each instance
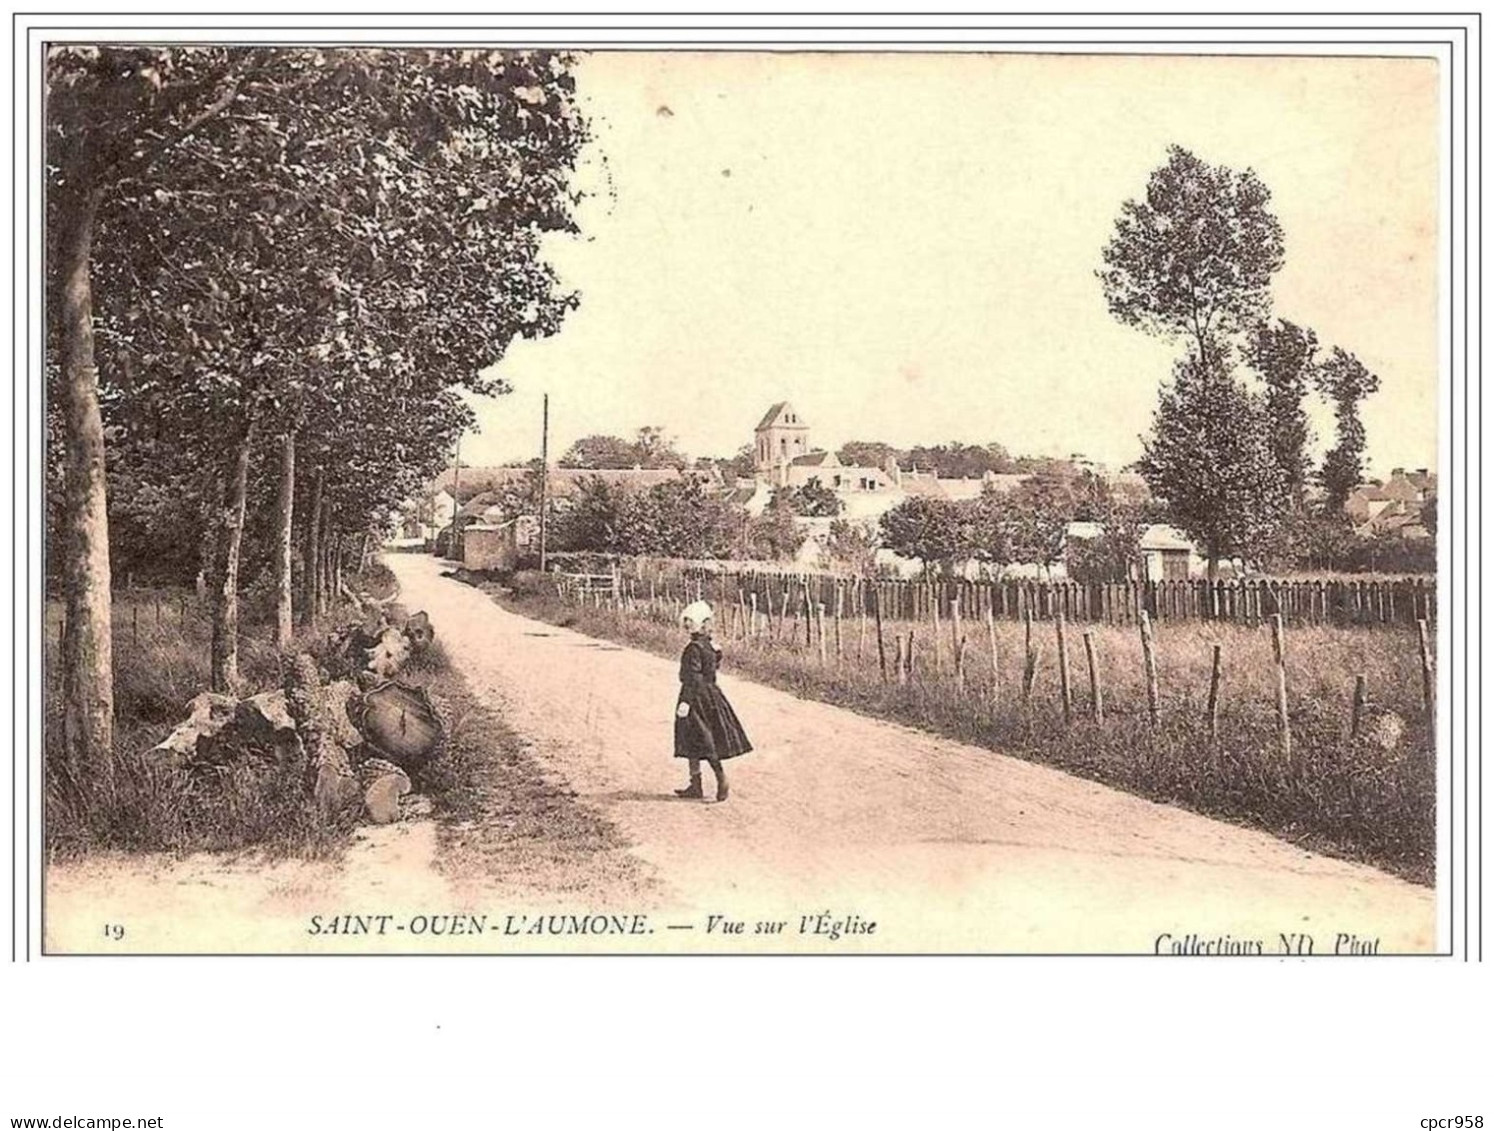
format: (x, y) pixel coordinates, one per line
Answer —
(512, 500)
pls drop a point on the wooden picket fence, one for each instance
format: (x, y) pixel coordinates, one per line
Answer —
(1344, 602)
(791, 612)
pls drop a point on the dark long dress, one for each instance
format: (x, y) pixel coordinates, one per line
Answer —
(711, 729)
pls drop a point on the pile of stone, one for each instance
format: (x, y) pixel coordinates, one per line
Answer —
(358, 732)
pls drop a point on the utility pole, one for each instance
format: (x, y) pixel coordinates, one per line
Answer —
(544, 476)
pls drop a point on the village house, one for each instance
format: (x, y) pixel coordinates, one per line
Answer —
(1393, 508)
(420, 520)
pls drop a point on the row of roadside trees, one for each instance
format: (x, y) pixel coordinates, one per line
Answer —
(272, 274)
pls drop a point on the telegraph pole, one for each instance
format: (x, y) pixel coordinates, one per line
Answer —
(544, 476)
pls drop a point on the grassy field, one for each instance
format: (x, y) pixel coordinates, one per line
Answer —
(1363, 798)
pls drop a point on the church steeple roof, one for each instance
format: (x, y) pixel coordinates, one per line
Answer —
(781, 414)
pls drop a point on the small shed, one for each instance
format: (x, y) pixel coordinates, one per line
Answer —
(1169, 554)
(490, 547)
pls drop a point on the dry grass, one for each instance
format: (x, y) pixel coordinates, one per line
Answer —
(1339, 795)
(161, 660)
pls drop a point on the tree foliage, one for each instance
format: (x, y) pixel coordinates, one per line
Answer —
(955, 460)
(680, 519)
(650, 448)
(1285, 355)
(868, 453)
(852, 546)
(1209, 457)
(930, 530)
(774, 535)
(351, 242)
(282, 250)
(812, 500)
(594, 519)
(1345, 382)
(1195, 256)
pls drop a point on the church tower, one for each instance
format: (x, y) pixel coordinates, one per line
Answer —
(781, 437)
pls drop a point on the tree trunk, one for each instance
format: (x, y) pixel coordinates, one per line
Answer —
(1213, 567)
(88, 653)
(311, 574)
(338, 553)
(284, 514)
(225, 650)
(324, 567)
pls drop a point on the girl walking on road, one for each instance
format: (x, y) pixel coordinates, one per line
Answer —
(705, 727)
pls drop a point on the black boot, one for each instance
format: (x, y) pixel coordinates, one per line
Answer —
(693, 789)
(721, 790)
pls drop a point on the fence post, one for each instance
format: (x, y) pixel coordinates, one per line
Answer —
(995, 659)
(1096, 694)
(1029, 674)
(1278, 648)
(956, 633)
(960, 666)
(1216, 673)
(840, 595)
(1063, 671)
(1428, 684)
(820, 617)
(881, 644)
(902, 667)
(1356, 713)
(934, 616)
(1149, 665)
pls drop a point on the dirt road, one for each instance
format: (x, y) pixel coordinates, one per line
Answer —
(944, 847)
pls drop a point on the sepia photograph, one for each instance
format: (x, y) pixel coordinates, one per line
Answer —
(541, 500)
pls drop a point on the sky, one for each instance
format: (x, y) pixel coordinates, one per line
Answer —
(905, 245)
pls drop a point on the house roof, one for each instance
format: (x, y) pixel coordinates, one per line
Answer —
(631, 477)
(1161, 536)
(1399, 517)
(1400, 487)
(819, 458)
(478, 504)
(488, 481)
(771, 417)
(962, 488)
(928, 488)
(476, 481)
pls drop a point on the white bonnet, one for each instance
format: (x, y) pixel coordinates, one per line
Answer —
(696, 614)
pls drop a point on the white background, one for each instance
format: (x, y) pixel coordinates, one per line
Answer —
(624, 1042)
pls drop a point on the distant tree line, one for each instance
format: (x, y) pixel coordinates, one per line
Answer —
(1028, 525)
